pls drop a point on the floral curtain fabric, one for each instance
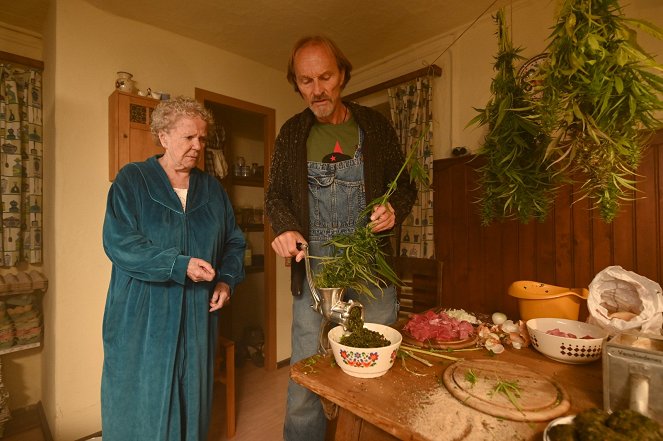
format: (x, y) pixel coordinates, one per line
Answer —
(21, 154)
(411, 106)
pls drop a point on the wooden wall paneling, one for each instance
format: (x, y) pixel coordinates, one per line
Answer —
(646, 242)
(623, 237)
(510, 268)
(459, 237)
(545, 248)
(477, 295)
(561, 215)
(568, 249)
(603, 249)
(527, 252)
(442, 223)
(582, 234)
(658, 155)
(491, 281)
(602, 240)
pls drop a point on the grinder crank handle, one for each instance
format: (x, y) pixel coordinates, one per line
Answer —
(309, 277)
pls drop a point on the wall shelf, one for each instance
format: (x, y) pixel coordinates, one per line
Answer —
(20, 283)
(252, 227)
(248, 181)
(19, 348)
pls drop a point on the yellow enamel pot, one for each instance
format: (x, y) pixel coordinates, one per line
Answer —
(539, 300)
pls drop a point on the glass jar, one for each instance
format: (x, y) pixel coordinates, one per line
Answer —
(239, 165)
(124, 82)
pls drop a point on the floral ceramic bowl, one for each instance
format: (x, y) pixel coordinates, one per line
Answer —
(366, 362)
(568, 341)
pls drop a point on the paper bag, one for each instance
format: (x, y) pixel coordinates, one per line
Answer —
(621, 300)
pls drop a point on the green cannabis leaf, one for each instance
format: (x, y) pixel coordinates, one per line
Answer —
(358, 260)
(516, 181)
(600, 94)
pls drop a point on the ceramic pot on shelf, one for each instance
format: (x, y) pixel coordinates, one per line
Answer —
(124, 82)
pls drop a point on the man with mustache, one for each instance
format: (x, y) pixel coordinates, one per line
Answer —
(328, 162)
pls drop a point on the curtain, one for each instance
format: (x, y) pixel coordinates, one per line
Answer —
(21, 153)
(411, 106)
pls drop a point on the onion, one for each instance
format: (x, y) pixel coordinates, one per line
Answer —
(498, 318)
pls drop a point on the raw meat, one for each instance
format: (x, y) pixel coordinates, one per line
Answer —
(440, 327)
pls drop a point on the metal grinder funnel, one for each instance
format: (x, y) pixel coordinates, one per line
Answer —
(330, 304)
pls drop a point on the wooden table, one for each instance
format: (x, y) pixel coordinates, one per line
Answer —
(382, 408)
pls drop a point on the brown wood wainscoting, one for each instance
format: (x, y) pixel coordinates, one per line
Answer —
(568, 249)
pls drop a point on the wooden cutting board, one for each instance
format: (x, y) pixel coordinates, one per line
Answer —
(541, 398)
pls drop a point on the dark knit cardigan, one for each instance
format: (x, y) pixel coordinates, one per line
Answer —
(286, 199)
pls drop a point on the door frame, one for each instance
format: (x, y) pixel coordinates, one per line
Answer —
(269, 134)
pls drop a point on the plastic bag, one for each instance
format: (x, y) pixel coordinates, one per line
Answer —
(621, 300)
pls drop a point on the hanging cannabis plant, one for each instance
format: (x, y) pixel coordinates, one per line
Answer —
(600, 92)
(358, 260)
(515, 181)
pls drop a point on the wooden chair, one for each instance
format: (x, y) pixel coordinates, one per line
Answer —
(422, 284)
(224, 372)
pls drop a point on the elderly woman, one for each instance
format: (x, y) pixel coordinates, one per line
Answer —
(177, 254)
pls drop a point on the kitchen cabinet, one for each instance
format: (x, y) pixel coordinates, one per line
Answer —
(129, 137)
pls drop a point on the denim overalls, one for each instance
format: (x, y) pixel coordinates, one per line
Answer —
(336, 197)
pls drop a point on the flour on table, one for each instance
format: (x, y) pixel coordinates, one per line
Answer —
(440, 416)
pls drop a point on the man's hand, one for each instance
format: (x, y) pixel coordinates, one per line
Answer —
(383, 218)
(199, 270)
(220, 296)
(285, 245)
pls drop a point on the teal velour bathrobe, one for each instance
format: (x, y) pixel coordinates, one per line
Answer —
(159, 336)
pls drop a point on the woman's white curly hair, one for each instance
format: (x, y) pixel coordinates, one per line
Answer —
(167, 113)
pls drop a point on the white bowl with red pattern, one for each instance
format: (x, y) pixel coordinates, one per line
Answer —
(568, 341)
(366, 362)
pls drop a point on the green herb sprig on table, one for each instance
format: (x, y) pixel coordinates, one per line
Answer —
(510, 389)
(309, 363)
(358, 261)
(471, 377)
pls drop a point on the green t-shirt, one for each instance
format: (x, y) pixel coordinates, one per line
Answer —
(332, 142)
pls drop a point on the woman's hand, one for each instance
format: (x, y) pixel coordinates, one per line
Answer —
(285, 245)
(220, 296)
(383, 218)
(199, 270)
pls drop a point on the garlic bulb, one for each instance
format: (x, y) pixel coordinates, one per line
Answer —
(498, 318)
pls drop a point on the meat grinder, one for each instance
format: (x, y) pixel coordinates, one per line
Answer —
(330, 304)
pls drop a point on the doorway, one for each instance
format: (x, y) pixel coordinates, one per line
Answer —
(248, 133)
